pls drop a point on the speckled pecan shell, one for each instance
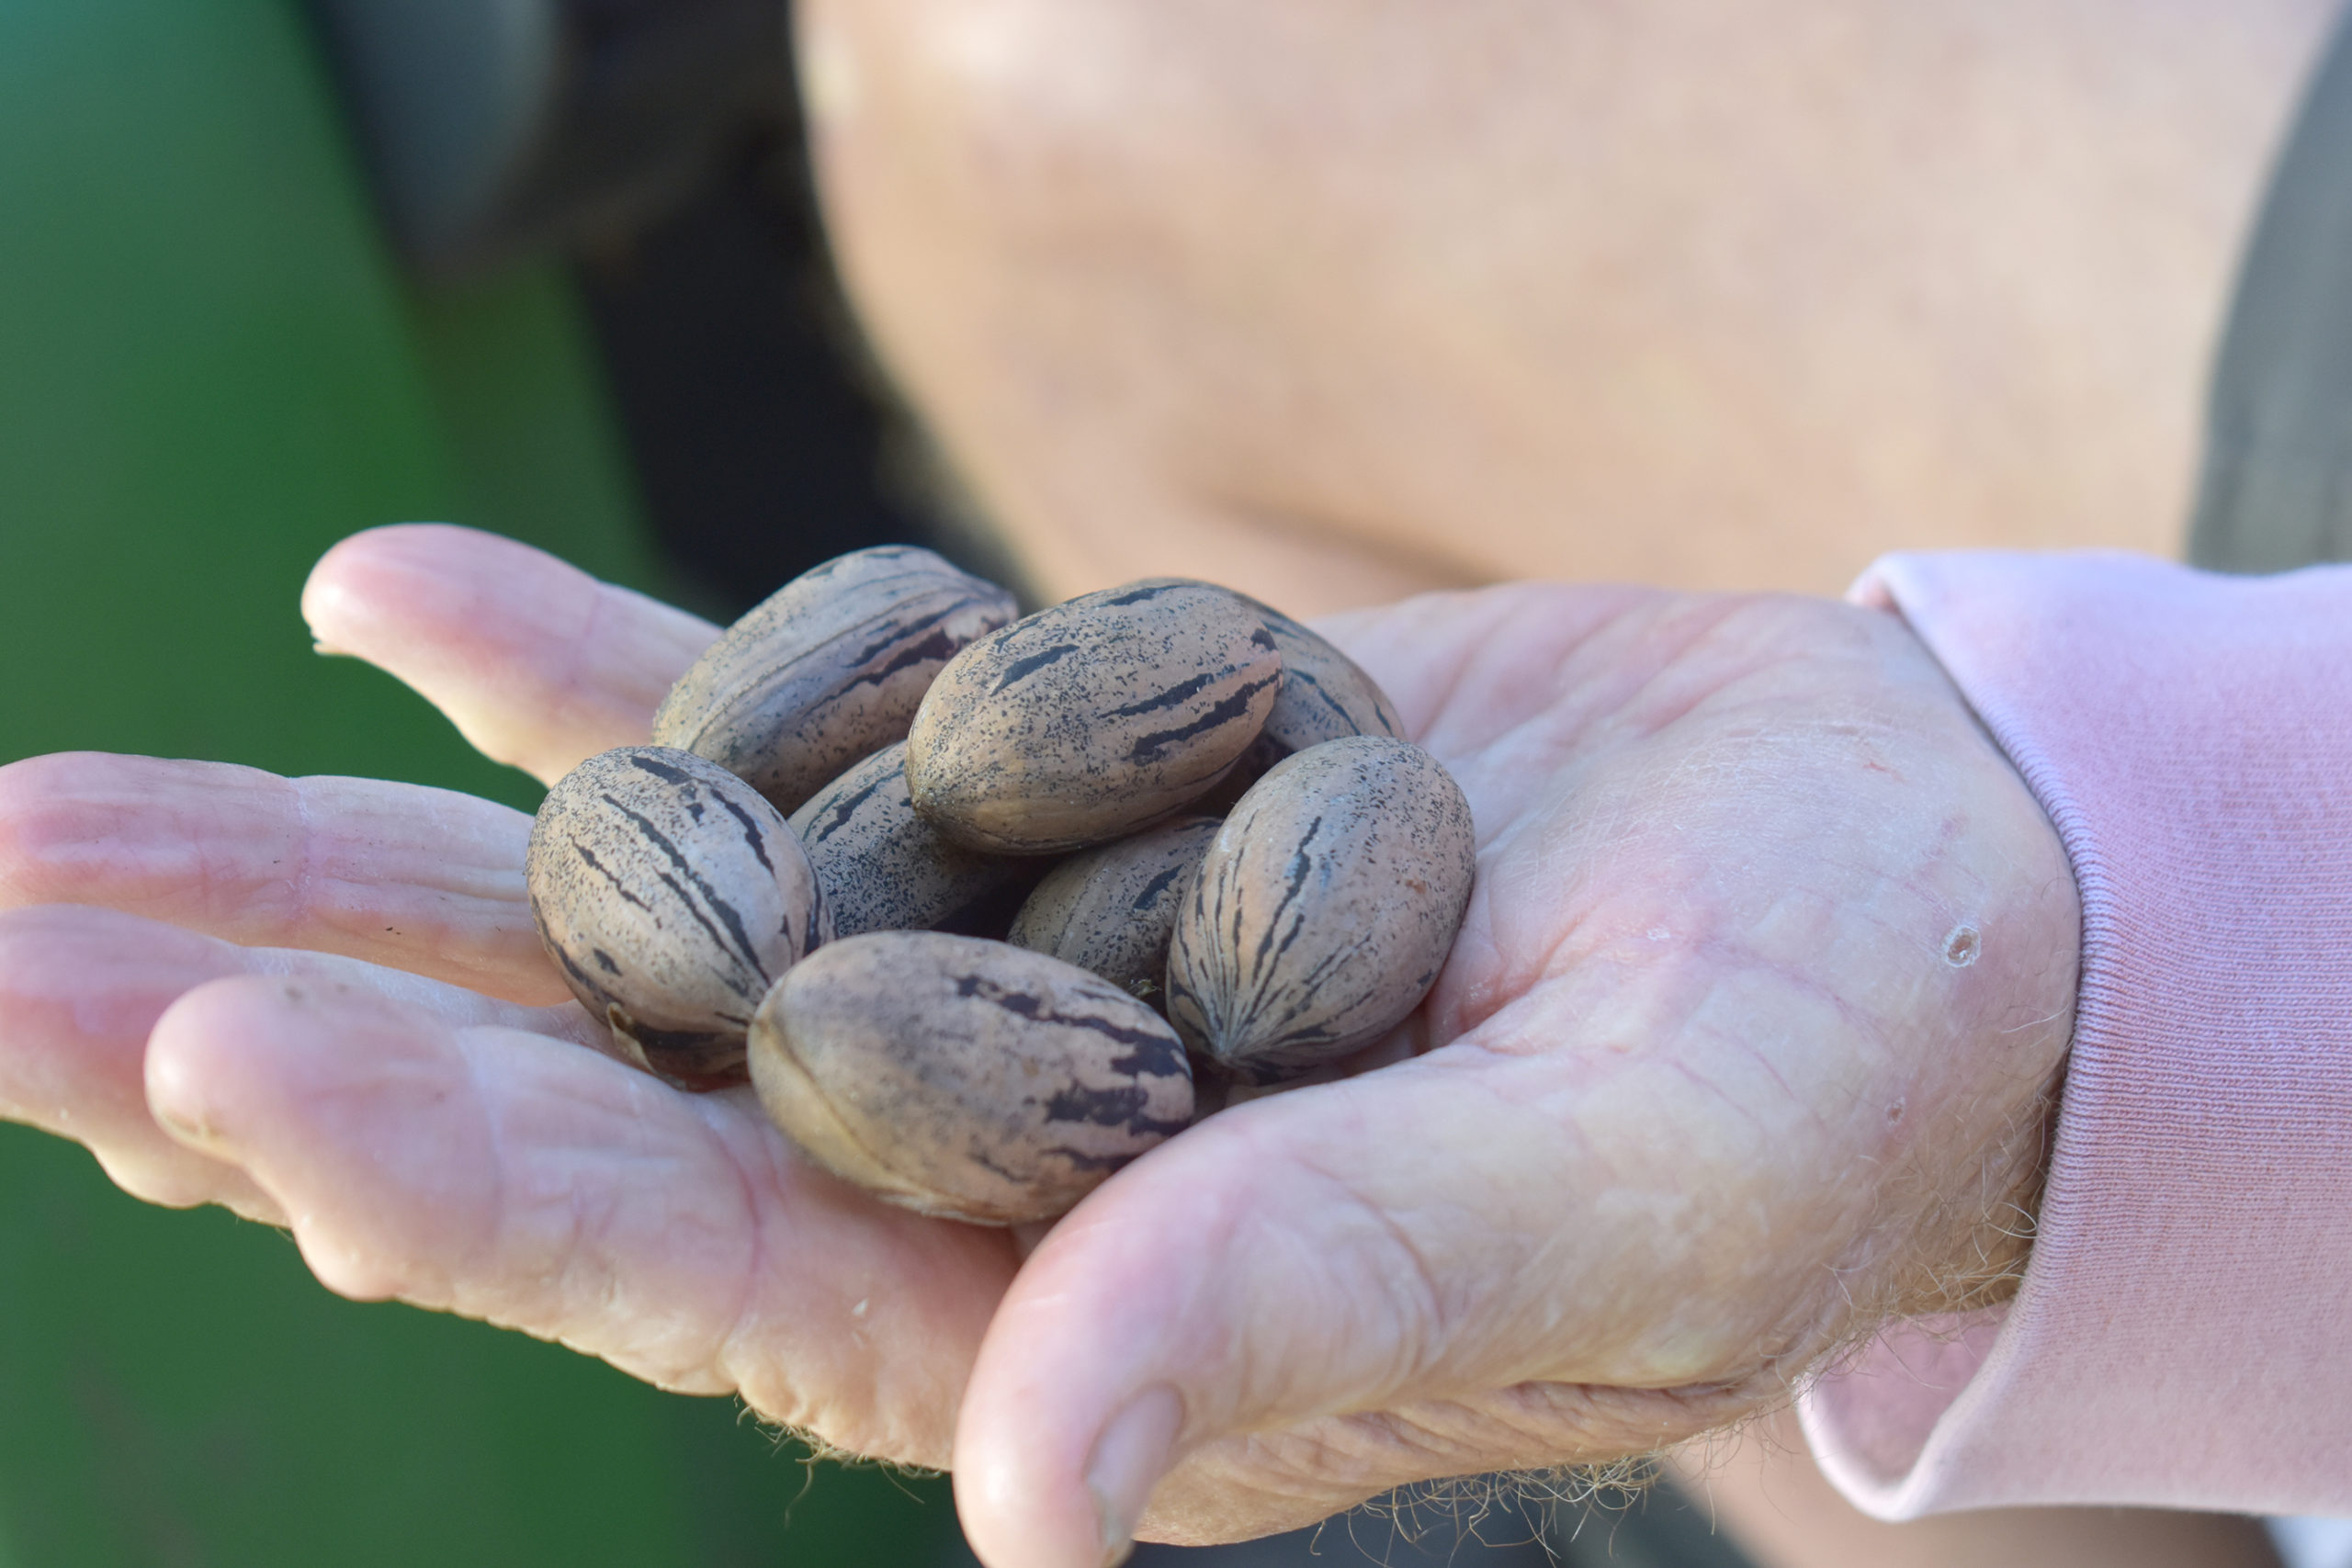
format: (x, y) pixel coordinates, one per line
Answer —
(884, 868)
(1325, 694)
(1111, 910)
(671, 896)
(828, 669)
(966, 1078)
(1324, 908)
(1092, 719)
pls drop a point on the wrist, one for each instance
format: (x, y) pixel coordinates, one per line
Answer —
(2011, 1029)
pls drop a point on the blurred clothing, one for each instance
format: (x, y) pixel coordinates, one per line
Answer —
(2313, 1543)
(2183, 1337)
(2276, 489)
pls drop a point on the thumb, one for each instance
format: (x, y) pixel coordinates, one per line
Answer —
(1419, 1272)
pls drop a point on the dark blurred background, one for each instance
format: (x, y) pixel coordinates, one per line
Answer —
(271, 272)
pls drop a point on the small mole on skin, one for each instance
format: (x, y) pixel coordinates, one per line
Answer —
(1962, 947)
(1895, 1111)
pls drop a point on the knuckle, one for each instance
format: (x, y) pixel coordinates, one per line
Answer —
(37, 818)
(1383, 1306)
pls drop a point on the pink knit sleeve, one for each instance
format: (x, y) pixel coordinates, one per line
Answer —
(2183, 1333)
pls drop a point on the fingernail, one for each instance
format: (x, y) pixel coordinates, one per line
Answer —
(1130, 1457)
(169, 1095)
(189, 1130)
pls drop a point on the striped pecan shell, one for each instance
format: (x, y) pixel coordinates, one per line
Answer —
(1112, 909)
(1325, 694)
(828, 669)
(884, 868)
(966, 1078)
(671, 896)
(1088, 720)
(1324, 908)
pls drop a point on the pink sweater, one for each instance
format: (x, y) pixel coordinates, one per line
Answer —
(2183, 1333)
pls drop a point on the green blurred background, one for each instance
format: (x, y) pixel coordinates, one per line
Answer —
(212, 369)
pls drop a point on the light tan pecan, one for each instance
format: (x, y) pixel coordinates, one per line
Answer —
(1324, 908)
(671, 896)
(1087, 721)
(828, 669)
(963, 1077)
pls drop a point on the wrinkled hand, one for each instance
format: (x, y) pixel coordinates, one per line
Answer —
(1746, 1044)
(321, 1003)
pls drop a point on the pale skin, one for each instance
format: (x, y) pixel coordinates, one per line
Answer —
(1717, 1078)
(1747, 1041)
(1338, 300)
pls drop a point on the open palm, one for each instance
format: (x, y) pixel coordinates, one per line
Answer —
(1746, 1043)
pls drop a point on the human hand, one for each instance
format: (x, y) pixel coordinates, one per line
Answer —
(1724, 1084)
(322, 1003)
(1748, 1043)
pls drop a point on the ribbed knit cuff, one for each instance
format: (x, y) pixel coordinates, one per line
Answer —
(2183, 1336)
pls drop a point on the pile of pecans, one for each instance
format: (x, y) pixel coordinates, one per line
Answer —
(1190, 820)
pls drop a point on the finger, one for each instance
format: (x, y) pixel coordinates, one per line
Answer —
(81, 989)
(78, 1005)
(538, 664)
(1275, 1292)
(421, 879)
(494, 1173)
